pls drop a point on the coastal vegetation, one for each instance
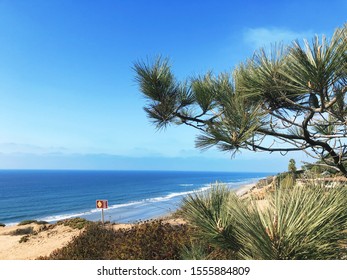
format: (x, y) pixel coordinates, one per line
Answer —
(276, 221)
(28, 222)
(75, 223)
(23, 231)
(298, 222)
(290, 98)
(153, 240)
(29, 228)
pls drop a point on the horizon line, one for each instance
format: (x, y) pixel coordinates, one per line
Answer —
(130, 170)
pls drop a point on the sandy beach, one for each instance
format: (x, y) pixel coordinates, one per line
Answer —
(41, 242)
(245, 189)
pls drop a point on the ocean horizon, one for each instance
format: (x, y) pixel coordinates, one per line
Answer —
(53, 195)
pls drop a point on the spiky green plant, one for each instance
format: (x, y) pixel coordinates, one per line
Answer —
(298, 223)
(195, 251)
(209, 212)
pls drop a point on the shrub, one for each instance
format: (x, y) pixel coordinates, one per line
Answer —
(153, 240)
(209, 213)
(27, 222)
(42, 222)
(23, 231)
(75, 223)
(200, 250)
(288, 181)
(299, 223)
(91, 244)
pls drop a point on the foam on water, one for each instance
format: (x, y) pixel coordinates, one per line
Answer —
(64, 194)
(124, 205)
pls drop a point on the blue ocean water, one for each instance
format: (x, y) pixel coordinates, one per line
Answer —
(132, 195)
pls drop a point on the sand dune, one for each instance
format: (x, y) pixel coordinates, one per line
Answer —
(41, 242)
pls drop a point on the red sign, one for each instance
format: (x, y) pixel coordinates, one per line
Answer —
(101, 204)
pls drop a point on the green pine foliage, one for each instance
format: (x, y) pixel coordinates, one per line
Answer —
(289, 98)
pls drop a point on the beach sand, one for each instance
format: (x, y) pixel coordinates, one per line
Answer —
(44, 239)
(245, 189)
(40, 242)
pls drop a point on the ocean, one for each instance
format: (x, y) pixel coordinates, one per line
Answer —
(132, 195)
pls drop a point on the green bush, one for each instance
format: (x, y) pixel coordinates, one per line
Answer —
(148, 241)
(152, 241)
(209, 213)
(27, 222)
(75, 223)
(92, 244)
(194, 251)
(299, 223)
(23, 231)
(288, 181)
(201, 250)
(42, 222)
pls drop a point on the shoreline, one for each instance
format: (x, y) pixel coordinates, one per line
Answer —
(44, 239)
(242, 190)
(153, 208)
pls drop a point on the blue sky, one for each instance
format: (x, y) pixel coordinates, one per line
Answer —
(67, 90)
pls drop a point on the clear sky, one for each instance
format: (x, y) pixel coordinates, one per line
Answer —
(67, 90)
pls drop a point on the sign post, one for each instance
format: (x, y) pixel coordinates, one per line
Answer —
(102, 204)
